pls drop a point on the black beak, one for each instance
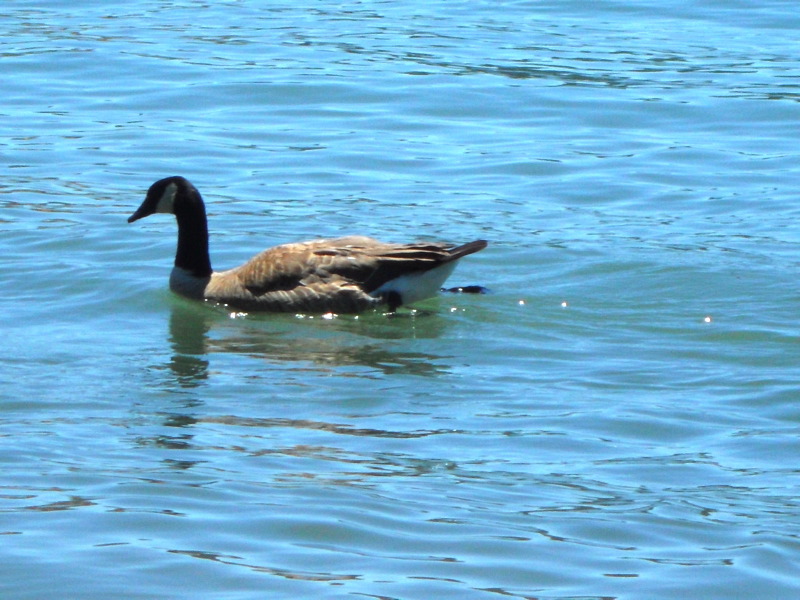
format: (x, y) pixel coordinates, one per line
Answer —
(140, 213)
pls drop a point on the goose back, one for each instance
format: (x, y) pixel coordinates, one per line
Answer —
(342, 275)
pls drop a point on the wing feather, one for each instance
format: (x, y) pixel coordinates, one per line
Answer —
(337, 274)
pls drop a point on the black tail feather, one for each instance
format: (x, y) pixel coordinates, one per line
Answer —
(468, 248)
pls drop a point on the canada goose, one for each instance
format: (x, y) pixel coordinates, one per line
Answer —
(343, 275)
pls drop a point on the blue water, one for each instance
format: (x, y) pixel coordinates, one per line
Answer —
(618, 419)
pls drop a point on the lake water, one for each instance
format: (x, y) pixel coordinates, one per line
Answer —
(619, 418)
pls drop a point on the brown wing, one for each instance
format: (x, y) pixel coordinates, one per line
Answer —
(334, 274)
(359, 260)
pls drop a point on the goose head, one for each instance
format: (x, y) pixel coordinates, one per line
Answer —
(176, 196)
(171, 195)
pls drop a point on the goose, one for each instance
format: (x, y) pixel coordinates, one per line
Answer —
(341, 275)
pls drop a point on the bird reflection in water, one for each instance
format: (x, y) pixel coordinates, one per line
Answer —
(198, 331)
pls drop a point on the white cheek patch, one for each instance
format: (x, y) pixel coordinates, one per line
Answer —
(166, 203)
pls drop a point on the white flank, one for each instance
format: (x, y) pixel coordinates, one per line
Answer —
(418, 286)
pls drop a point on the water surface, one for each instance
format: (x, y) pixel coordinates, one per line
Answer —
(616, 420)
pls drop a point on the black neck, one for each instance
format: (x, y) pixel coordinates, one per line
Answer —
(192, 254)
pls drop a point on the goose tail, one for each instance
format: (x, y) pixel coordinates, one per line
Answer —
(465, 249)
